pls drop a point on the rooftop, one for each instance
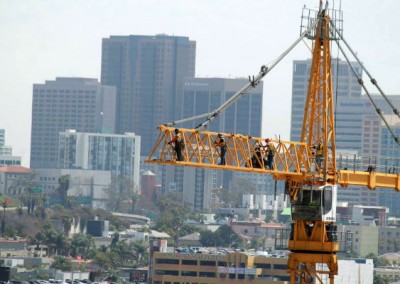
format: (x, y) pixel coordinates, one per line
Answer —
(15, 169)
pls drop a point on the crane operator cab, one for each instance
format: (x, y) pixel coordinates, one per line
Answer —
(315, 203)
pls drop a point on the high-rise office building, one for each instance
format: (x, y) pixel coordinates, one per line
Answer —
(345, 87)
(390, 162)
(68, 103)
(117, 153)
(148, 72)
(202, 95)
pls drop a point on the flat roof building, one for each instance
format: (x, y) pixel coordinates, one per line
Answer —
(238, 267)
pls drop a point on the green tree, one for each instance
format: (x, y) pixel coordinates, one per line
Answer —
(62, 263)
(81, 244)
(172, 217)
(256, 243)
(141, 252)
(381, 279)
(228, 235)
(378, 261)
(210, 239)
(223, 236)
(63, 187)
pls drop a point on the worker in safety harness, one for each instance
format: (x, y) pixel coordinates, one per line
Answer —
(178, 144)
(221, 143)
(319, 153)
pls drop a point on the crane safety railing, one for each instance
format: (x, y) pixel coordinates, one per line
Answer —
(244, 153)
(344, 239)
(356, 162)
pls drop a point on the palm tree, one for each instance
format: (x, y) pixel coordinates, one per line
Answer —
(141, 252)
(81, 244)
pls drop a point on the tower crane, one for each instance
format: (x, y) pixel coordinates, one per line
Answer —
(311, 184)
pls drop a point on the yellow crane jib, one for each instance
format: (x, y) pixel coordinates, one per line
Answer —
(283, 159)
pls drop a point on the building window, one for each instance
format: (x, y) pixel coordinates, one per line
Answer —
(262, 265)
(189, 262)
(167, 261)
(231, 276)
(280, 266)
(167, 272)
(207, 263)
(207, 274)
(189, 273)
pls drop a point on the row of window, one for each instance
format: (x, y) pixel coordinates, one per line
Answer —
(54, 91)
(218, 263)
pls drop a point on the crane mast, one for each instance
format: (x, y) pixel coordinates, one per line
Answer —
(307, 167)
(313, 239)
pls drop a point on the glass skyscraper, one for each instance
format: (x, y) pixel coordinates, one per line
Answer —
(148, 72)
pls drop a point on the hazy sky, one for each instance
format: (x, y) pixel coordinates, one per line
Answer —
(42, 40)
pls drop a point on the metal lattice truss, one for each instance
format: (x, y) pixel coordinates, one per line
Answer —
(244, 153)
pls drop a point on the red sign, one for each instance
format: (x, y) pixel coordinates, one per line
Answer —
(8, 201)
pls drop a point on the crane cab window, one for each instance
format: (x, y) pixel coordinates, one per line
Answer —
(327, 199)
(313, 203)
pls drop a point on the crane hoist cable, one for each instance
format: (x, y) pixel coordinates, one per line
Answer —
(373, 80)
(361, 82)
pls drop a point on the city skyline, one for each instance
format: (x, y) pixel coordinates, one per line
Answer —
(40, 42)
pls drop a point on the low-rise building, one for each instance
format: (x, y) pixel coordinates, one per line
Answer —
(191, 240)
(232, 267)
(14, 180)
(239, 267)
(365, 239)
(89, 187)
(389, 239)
(390, 273)
(260, 230)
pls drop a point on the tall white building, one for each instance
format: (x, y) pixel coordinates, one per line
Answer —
(4, 150)
(6, 157)
(117, 153)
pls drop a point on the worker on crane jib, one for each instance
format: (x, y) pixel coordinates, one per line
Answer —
(221, 143)
(270, 151)
(319, 152)
(178, 144)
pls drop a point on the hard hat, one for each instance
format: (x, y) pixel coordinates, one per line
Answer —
(176, 130)
(219, 135)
